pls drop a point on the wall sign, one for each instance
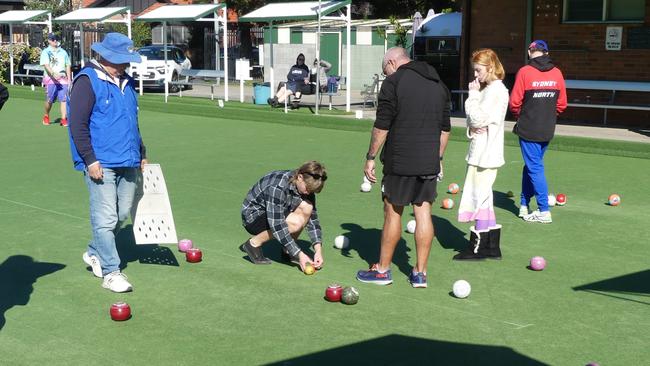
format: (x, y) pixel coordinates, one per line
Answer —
(613, 38)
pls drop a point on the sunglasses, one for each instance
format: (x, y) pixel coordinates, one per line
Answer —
(301, 59)
(317, 176)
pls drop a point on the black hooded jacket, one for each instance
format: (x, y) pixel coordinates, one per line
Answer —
(414, 108)
(537, 98)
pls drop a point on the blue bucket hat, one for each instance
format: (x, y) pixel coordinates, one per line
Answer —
(116, 48)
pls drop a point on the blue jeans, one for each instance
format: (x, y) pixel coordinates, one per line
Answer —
(533, 180)
(111, 200)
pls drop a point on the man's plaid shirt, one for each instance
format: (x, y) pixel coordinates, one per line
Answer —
(275, 197)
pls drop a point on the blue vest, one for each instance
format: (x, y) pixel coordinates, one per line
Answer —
(114, 133)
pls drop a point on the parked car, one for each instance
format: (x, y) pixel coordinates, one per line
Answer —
(155, 64)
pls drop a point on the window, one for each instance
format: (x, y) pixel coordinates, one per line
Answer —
(603, 10)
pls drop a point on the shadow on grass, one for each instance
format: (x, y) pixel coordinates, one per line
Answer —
(501, 200)
(18, 274)
(366, 242)
(448, 235)
(633, 284)
(273, 251)
(403, 350)
(129, 251)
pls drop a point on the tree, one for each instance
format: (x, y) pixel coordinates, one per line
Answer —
(402, 9)
(242, 7)
(57, 7)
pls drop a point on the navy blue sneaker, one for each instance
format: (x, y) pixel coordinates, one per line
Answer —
(374, 276)
(418, 279)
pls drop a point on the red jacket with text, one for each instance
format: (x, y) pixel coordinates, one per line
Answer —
(537, 98)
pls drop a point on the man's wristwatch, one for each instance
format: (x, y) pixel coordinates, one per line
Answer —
(370, 157)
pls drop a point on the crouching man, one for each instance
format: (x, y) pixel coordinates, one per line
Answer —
(280, 205)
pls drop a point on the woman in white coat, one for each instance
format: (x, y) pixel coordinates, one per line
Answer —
(486, 108)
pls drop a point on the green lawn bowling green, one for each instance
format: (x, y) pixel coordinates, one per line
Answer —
(591, 303)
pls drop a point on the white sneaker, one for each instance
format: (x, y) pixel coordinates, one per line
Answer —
(93, 262)
(536, 216)
(117, 282)
(523, 211)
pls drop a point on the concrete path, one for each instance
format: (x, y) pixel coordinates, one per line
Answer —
(356, 101)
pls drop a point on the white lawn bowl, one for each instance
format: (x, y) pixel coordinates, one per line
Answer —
(461, 289)
(341, 242)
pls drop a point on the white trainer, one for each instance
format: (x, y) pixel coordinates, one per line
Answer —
(523, 211)
(93, 262)
(536, 216)
(117, 282)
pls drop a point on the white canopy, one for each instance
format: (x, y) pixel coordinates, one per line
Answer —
(180, 13)
(441, 25)
(95, 15)
(193, 13)
(91, 15)
(12, 17)
(21, 16)
(307, 10)
(293, 11)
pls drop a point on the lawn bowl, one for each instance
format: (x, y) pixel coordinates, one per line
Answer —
(350, 296)
(537, 263)
(341, 242)
(194, 255)
(410, 226)
(461, 289)
(447, 203)
(310, 269)
(120, 311)
(184, 245)
(614, 200)
(334, 292)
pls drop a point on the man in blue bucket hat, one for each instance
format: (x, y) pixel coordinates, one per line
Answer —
(107, 147)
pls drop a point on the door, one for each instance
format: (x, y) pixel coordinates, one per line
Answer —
(329, 51)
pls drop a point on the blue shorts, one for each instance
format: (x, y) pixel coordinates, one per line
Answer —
(57, 92)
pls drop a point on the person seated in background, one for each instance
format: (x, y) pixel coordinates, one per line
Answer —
(323, 67)
(297, 84)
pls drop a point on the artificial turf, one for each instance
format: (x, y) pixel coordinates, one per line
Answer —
(591, 303)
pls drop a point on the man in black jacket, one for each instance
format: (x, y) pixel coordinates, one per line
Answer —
(413, 121)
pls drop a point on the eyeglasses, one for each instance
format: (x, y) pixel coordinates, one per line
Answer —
(317, 176)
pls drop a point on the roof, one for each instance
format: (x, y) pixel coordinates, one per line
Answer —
(441, 25)
(90, 15)
(21, 16)
(355, 23)
(306, 10)
(179, 13)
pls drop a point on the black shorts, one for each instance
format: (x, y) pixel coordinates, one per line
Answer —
(296, 86)
(403, 191)
(258, 225)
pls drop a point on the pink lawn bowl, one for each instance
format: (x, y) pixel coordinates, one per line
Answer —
(537, 263)
(184, 245)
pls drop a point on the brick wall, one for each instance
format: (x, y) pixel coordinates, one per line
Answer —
(577, 49)
(501, 26)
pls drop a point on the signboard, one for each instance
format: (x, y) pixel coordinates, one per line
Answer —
(243, 69)
(638, 38)
(613, 38)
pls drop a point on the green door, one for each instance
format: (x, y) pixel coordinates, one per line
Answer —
(329, 51)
